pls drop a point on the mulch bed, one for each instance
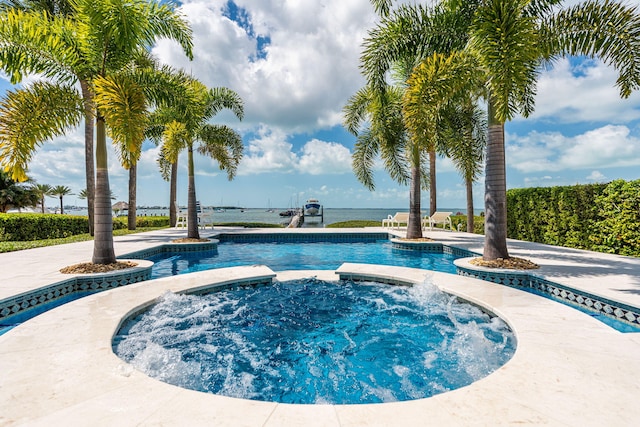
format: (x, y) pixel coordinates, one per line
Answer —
(90, 268)
(189, 240)
(512, 263)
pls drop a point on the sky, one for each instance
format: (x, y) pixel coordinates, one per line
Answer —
(295, 64)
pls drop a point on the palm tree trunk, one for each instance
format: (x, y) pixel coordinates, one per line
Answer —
(173, 194)
(414, 227)
(495, 194)
(192, 214)
(61, 206)
(433, 206)
(131, 213)
(470, 219)
(42, 204)
(87, 97)
(103, 252)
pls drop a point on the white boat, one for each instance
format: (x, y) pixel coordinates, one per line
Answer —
(312, 207)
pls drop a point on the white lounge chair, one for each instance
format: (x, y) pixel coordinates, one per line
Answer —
(181, 219)
(205, 218)
(396, 221)
(443, 218)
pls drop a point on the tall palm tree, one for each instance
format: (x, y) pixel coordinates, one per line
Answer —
(186, 123)
(97, 42)
(42, 191)
(511, 40)
(403, 39)
(126, 99)
(464, 131)
(376, 120)
(60, 191)
(13, 40)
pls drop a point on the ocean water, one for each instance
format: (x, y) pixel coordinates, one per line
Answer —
(331, 215)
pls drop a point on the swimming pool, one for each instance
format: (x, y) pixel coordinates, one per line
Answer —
(300, 256)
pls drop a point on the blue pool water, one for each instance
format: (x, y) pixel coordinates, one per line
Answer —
(299, 256)
(311, 341)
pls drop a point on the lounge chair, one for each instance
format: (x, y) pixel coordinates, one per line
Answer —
(181, 219)
(443, 218)
(205, 218)
(396, 221)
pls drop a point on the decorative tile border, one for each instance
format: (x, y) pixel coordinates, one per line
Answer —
(561, 293)
(173, 248)
(14, 309)
(303, 237)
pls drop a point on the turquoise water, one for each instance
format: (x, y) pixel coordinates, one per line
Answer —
(318, 342)
(299, 256)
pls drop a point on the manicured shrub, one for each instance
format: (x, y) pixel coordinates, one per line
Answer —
(600, 217)
(24, 227)
(460, 223)
(617, 229)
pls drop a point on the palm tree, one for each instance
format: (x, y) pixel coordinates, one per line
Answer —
(82, 195)
(90, 47)
(400, 42)
(42, 191)
(61, 191)
(510, 41)
(385, 134)
(187, 122)
(14, 194)
(464, 131)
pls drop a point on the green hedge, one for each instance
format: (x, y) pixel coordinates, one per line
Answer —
(24, 227)
(478, 223)
(601, 217)
(27, 227)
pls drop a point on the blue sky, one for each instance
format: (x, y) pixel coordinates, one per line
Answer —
(295, 64)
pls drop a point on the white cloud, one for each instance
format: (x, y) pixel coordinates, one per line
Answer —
(269, 153)
(319, 158)
(311, 63)
(596, 176)
(585, 92)
(605, 147)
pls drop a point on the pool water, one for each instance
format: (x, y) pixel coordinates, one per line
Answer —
(315, 342)
(299, 256)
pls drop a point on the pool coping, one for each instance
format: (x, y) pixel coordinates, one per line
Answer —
(60, 366)
(533, 280)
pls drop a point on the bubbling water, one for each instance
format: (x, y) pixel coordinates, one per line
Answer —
(310, 341)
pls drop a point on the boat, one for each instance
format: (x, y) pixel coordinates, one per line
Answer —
(288, 212)
(312, 207)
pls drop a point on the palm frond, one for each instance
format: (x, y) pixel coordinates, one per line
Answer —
(175, 138)
(222, 144)
(32, 42)
(363, 158)
(434, 83)
(356, 111)
(122, 103)
(165, 166)
(113, 30)
(505, 41)
(32, 115)
(413, 32)
(222, 97)
(605, 29)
